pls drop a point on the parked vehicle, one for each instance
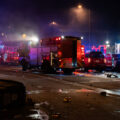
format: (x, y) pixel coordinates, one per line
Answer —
(95, 60)
(10, 58)
(110, 62)
(116, 58)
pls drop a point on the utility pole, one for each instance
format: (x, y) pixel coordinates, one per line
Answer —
(89, 12)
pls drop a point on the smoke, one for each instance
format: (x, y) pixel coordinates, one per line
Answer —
(78, 16)
(77, 22)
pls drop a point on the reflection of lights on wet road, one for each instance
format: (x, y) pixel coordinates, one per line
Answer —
(66, 91)
(34, 92)
(82, 74)
(83, 90)
(63, 91)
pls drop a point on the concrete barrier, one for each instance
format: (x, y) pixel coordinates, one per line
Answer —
(12, 94)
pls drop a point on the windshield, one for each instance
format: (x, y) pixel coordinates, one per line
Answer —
(96, 55)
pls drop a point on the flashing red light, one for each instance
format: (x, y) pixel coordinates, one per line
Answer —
(59, 53)
(82, 48)
(60, 60)
(89, 60)
(105, 60)
(58, 38)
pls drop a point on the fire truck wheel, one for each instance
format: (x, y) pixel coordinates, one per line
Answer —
(86, 69)
(68, 71)
(47, 68)
(100, 70)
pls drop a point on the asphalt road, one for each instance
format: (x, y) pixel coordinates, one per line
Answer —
(64, 97)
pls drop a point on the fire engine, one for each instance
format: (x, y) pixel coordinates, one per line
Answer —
(65, 53)
(8, 53)
(11, 57)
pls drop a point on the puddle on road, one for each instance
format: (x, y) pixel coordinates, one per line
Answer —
(35, 92)
(112, 92)
(118, 111)
(83, 90)
(37, 105)
(35, 72)
(38, 115)
(94, 74)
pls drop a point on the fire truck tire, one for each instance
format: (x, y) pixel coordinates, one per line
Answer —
(86, 69)
(47, 68)
(100, 69)
(68, 71)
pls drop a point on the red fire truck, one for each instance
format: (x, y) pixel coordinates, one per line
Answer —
(11, 58)
(65, 53)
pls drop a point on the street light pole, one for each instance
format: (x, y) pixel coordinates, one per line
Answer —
(89, 25)
(37, 53)
(36, 41)
(89, 12)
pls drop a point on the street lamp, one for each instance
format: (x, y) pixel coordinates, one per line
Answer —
(24, 36)
(53, 23)
(107, 42)
(82, 37)
(109, 50)
(62, 37)
(54, 27)
(79, 6)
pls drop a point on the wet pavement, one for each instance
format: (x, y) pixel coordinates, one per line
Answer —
(83, 96)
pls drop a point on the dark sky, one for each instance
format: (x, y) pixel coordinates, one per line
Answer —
(22, 15)
(32, 10)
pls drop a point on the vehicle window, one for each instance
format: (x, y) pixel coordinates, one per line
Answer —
(96, 55)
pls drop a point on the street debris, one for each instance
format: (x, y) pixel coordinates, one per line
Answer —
(39, 115)
(56, 116)
(111, 75)
(67, 99)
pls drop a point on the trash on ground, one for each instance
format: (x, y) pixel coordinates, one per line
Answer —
(67, 99)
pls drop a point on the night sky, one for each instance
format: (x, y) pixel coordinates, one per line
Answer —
(22, 16)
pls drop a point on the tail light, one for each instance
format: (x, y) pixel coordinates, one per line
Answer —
(89, 60)
(105, 60)
(59, 53)
(60, 60)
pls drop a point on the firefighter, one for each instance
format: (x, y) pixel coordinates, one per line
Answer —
(24, 64)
